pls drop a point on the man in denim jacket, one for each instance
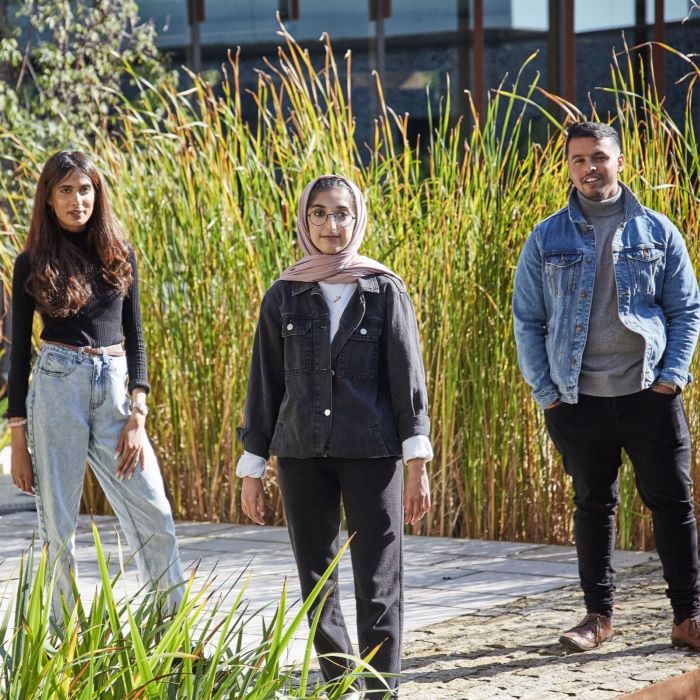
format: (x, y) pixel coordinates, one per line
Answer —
(606, 314)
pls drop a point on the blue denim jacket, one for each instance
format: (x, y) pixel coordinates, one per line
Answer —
(657, 297)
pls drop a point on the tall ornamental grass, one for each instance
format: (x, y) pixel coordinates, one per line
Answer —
(209, 200)
(120, 649)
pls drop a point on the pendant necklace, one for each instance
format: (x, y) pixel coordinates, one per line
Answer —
(335, 299)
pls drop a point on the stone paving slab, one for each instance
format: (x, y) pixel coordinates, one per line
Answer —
(5, 460)
(499, 583)
(11, 498)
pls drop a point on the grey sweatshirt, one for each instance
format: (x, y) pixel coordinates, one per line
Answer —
(613, 355)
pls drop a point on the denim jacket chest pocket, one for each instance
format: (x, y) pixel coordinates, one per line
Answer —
(562, 269)
(298, 349)
(644, 262)
(358, 359)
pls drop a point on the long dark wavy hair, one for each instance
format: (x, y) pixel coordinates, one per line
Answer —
(60, 277)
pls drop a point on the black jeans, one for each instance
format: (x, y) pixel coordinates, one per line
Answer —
(652, 428)
(371, 491)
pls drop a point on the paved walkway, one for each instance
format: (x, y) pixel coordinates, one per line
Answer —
(11, 498)
(482, 618)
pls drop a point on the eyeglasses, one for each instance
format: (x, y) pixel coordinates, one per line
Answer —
(318, 217)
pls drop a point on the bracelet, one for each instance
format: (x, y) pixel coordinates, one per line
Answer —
(139, 408)
(17, 423)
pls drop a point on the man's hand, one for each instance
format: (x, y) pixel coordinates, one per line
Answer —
(416, 491)
(253, 499)
(554, 404)
(662, 389)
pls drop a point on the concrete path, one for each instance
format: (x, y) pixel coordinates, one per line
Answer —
(11, 498)
(446, 579)
(482, 618)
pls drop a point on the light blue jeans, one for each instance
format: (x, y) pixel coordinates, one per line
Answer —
(77, 406)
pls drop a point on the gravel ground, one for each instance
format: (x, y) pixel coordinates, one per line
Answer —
(512, 652)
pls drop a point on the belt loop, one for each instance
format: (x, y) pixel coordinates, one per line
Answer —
(104, 353)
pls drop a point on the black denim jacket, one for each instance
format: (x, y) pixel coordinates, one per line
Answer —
(357, 397)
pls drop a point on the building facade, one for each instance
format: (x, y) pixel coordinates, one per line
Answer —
(415, 44)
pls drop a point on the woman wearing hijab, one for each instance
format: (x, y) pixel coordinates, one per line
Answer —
(337, 392)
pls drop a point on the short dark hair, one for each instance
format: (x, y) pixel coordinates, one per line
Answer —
(591, 130)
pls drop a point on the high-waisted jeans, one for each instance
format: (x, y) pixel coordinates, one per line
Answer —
(652, 428)
(77, 406)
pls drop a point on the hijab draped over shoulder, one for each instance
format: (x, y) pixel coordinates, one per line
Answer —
(347, 265)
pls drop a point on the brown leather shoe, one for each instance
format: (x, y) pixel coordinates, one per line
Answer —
(687, 633)
(591, 632)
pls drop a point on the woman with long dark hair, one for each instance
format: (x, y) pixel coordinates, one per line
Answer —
(87, 399)
(337, 391)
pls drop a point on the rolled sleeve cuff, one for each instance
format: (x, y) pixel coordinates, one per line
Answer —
(546, 396)
(250, 465)
(675, 376)
(416, 447)
(139, 384)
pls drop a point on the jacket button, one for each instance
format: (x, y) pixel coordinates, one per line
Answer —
(290, 326)
(363, 331)
(327, 412)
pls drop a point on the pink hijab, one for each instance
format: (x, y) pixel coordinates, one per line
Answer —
(345, 266)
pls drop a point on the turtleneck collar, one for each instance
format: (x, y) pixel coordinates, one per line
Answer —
(602, 208)
(78, 238)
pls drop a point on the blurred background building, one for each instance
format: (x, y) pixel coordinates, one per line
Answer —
(414, 44)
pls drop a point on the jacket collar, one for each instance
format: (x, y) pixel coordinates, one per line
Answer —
(633, 206)
(366, 284)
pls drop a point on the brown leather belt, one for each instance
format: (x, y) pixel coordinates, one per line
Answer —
(113, 350)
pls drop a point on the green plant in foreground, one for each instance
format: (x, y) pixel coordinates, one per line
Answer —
(120, 649)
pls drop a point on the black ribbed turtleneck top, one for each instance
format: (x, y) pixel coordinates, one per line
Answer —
(108, 318)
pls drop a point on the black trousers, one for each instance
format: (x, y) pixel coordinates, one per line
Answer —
(371, 491)
(652, 428)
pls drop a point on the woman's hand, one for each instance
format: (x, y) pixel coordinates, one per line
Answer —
(21, 462)
(416, 491)
(253, 499)
(130, 447)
